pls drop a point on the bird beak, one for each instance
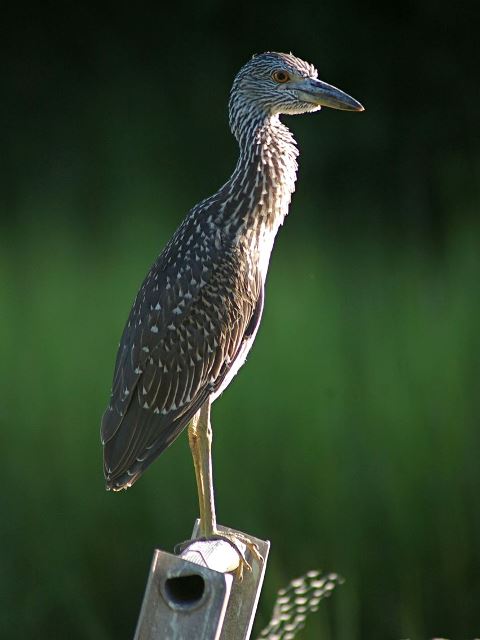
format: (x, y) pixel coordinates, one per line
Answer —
(326, 95)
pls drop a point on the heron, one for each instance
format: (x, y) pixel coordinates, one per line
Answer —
(198, 310)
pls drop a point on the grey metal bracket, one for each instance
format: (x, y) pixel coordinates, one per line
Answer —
(195, 596)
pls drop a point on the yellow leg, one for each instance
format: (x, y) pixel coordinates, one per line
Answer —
(200, 440)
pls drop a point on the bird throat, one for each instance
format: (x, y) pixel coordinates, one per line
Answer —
(254, 202)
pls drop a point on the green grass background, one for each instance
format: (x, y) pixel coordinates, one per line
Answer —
(350, 438)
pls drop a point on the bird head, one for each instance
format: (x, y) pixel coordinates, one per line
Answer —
(275, 83)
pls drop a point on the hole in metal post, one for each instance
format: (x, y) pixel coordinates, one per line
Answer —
(184, 591)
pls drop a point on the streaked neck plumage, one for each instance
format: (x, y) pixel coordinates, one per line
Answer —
(255, 200)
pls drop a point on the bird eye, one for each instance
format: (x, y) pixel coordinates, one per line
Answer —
(280, 76)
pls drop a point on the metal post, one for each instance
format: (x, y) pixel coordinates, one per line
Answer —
(195, 596)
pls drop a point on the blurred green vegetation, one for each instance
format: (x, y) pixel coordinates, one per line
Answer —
(354, 430)
(351, 438)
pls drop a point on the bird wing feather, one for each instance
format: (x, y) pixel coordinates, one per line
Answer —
(182, 337)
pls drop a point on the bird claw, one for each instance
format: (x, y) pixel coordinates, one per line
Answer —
(232, 539)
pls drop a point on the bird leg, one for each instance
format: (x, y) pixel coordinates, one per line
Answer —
(200, 440)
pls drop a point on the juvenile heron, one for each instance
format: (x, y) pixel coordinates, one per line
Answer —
(197, 313)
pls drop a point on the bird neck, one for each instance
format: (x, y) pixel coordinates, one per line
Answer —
(255, 200)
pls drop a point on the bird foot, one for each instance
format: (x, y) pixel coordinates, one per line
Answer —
(236, 541)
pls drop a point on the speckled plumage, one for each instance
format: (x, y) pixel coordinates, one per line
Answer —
(198, 310)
